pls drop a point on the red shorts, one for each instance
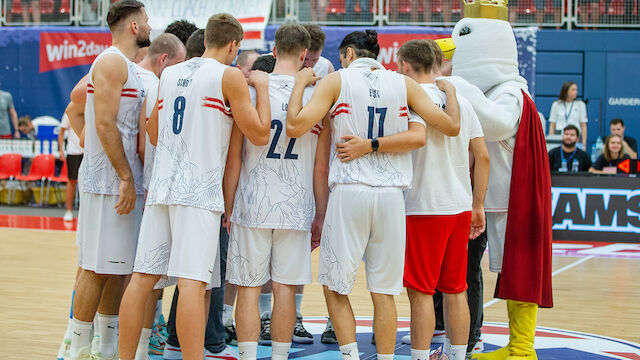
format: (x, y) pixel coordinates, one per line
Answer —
(436, 254)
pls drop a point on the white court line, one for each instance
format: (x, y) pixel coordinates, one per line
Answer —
(576, 263)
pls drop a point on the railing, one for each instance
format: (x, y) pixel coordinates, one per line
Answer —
(545, 13)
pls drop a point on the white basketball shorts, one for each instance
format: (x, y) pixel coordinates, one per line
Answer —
(496, 230)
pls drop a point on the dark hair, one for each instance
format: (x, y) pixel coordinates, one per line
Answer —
(607, 152)
(165, 44)
(616, 121)
(182, 29)
(221, 30)
(317, 36)
(565, 90)
(242, 57)
(121, 10)
(571, 127)
(418, 54)
(264, 63)
(364, 43)
(292, 39)
(195, 44)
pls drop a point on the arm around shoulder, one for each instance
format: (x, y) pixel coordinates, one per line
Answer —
(254, 122)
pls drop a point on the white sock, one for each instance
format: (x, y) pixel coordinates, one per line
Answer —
(280, 350)
(265, 303)
(108, 331)
(227, 315)
(143, 345)
(80, 336)
(419, 354)
(95, 321)
(385, 356)
(350, 351)
(248, 350)
(158, 313)
(298, 304)
(458, 352)
(67, 333)
(446, 348)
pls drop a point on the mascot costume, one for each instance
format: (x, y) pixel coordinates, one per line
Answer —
(518, 203)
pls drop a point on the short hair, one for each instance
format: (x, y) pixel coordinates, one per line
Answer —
(182, 29)
(195, 44)
(616, 121)
(437, 52)
(292, 39)
(364, 43)
(165, 44)
(24, 120)
(418, 54)
(121, 10)
(221, 30)
(565, 90)
(242, 57)
(571, 127)
(317, 36)
(264, 63)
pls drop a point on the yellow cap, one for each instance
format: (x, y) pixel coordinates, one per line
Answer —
(447, 46)
(486, 9)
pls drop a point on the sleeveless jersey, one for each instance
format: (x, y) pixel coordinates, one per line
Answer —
(150, 83)
(194, 127)
(321, 68)
(371, 104)
(275, 189)
(97, 174)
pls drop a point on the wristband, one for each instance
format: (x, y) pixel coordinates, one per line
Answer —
(375, 144)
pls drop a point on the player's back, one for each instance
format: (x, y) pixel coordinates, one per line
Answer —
(194, 127)
(371, 104)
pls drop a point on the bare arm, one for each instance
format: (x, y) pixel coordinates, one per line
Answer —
(254, 122)
(152, 125)
(82, 138)
(232, 172)
(321, 181)
(355, 146)
(628, 150)
(552, 128)
(299, 119)
(61, 142)
(583, 130)
(75, 112)
(14, 119)
(480, 180)
(79, 92)
(142, 131)
(447, 122)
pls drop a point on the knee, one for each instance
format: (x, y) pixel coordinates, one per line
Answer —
(382, 299)
(283, 290)
(187, 285)
(416, 296)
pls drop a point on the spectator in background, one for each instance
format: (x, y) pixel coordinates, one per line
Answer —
(612, 155)
(540, 10)
(264, 63)
(319, 10)
(34, 6)
(589, 11)
(26, 128)
(628, 143)
(74, 158)
(195, 44)
(568, 157)
(8, 113)
(567, 110)
(365, 12)
(245, 60)
(182, 29)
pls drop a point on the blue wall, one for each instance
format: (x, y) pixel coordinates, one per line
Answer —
(606, 67)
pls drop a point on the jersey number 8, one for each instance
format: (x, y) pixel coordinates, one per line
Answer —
(178, 114)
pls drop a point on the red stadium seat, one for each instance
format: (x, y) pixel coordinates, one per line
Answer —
(526, 7)
(336, 7)
(65, 7)
(616, 7)
(42, 168)
(16, 7)
(10, 166)
(404, 7)
(63, 177)
(455, 7)
(46, 7)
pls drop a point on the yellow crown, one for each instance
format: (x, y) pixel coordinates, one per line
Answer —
(486, 9)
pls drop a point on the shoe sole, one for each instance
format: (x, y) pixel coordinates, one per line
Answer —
(302, 340)
(328, 341)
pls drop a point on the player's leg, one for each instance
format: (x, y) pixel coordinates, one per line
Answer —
(70, 196)
(136, 300)
(283, 320)
(265, 313)
(230, 291)
(190, 318)
(300, 334)
(85, 305)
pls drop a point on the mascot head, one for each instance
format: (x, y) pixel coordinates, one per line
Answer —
(486, 53)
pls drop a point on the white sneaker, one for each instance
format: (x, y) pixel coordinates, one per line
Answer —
(479, 347)
(438, 337)
(406, 339)
(227, 354)
(68, 216)
(64, 348)
(84, 354)
(172, 352)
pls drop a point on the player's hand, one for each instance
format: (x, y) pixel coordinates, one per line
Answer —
(258, 78)
(307, 76)
(16, 134)
(127, 198)
(477, 223)
(226, 221)
(353, 147)
(445, 85)
(61, 155)
(316, 232)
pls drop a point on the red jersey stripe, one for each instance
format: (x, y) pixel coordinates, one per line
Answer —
(343, 111)
(129, 95)
(223, 110)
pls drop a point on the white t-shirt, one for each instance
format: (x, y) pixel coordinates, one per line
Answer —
(321, 68)
(441, 177)
(275, 189)
(73, 141)
(563, 113)
(150, 83)
(194, 128)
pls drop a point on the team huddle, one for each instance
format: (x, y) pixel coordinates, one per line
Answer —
(374, 165)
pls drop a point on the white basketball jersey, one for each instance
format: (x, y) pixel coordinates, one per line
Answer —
(194, 127)
(321, 68)
(275, 190)
(372, 104)
(97, 173)
(150, 83)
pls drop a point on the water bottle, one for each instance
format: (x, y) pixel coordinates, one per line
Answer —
(599, 145)
(574, 166)
(563, 167)
(594, 153)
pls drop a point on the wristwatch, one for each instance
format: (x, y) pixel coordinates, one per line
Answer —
(375, 144)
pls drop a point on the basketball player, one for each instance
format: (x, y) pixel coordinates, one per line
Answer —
(165, 50)
(274, 207)
(370, 169)
(111, 181)
(191, 126)
(245, 61)
(441, 200)
(321, 66)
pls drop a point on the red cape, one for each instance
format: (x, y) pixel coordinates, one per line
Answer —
(526, 265)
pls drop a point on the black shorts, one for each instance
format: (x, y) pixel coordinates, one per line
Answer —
(73, 164)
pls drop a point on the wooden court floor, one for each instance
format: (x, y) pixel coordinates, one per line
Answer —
(37, 267)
